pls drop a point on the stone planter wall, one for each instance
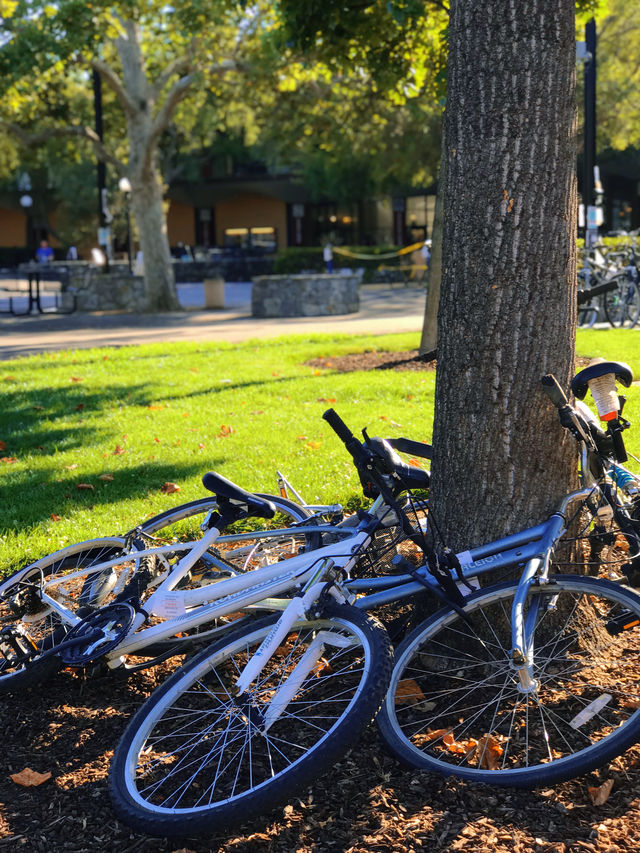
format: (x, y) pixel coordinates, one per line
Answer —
(113, 291)
(312, 295)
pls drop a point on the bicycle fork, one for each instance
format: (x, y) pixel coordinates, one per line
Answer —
(295, 611)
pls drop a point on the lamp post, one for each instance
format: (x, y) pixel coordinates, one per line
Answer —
(124, 186)
(26, 202)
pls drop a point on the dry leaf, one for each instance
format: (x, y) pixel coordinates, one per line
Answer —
(106, 477)
(157, 406)
(600, 795)
(70, 467)
(3, 445)
(313, 445)
(225, 431)
(408, 692)
(435, 734)
(77, 379)
(169, 488)
(201, 446)
(30, 778)
(55, 517)
(301, 438)
(39, 408)
(9, 460)
(119, 450)
(79, 407)
(621, 543)
(9, 378)
(86, 486)
(489, 752)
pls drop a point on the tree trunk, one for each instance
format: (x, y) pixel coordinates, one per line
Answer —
(152, 230)
(429, 339)
(508, 295)
(146, 183)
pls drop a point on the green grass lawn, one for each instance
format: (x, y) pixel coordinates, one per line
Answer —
(170, 412)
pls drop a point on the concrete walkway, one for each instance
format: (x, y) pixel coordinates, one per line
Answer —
(382, 310)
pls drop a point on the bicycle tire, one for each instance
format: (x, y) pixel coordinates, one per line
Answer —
(36, 627)
(214, 788)
(454, 706)
(622, 305)
(181, 523)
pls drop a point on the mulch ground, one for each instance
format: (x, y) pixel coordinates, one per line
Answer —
(369, 803)
(375, 361)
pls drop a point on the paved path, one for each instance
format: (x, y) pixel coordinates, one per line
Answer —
(382, 310)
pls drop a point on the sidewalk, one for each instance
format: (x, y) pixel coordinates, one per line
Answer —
(382, 310)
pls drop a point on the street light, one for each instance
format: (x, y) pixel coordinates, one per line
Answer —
(26, 202)
(124, 186)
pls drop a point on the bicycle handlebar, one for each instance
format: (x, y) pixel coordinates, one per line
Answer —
(569, 418)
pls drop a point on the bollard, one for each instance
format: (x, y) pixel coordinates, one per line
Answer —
(214, 292)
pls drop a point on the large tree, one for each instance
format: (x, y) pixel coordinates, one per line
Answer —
(508, 292)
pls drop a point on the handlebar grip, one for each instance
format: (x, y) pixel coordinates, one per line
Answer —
(554, 391)
(338, 426)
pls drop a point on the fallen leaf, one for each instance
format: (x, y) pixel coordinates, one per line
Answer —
(317, 373)
(29, 778)
(9, 378)
(201, 446)
(435, 734)
(157, 406)
(193, 369)
(157, 440)
(85, 486)
(408, 692)
(488, 751)
(9, 460)
(70, 467)
(55, 517)
(313, 445)
(79, 407)
(225, 431)
(301, 438)
(77, 379)
(383, 418)
(119, 450)
(621, 543)
(186, 414)
(3, 445)
(39, 408)
(106, 477)
(169, 488)
(601, 794)
(326, 400)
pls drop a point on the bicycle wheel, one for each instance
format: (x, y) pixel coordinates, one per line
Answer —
(588, 315)
(622, 305)
(29, 626)
(261, 546)
(194, 759)
(454, 705)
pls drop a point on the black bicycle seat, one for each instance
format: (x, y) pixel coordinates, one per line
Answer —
(223, 488)
(580, 382)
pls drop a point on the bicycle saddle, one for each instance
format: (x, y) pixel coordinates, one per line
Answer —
(223, 488)
(580, 382)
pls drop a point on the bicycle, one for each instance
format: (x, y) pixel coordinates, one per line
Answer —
(192, 760)
(88, 575)
(622, 304)
(535, 680)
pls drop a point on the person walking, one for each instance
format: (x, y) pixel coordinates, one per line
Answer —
(44, 253)
(327, 254)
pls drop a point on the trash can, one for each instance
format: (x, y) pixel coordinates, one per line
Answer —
(214, 292)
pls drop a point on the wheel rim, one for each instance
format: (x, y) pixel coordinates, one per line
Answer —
(478, 719)
(199, 750)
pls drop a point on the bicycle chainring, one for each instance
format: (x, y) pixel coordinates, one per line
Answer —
(114, 622)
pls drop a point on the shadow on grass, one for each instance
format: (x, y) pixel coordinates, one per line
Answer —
(32, 503)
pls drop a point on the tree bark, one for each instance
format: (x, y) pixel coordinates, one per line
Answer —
(429, 339)
(508, 294)
(138, 99)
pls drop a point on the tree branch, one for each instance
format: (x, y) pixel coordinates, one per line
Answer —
(115, 83)
(32, 139)
(182, 63)
(177, 93)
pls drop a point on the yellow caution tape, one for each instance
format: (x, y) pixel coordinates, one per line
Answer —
(405, 251)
